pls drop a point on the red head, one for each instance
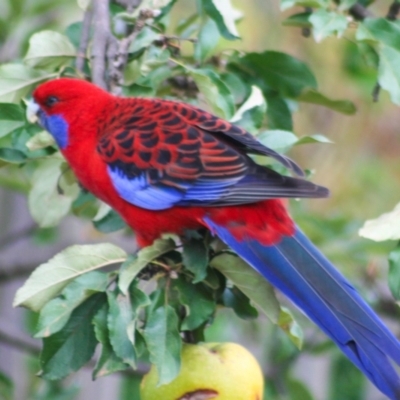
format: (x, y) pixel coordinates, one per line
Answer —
(63, 101)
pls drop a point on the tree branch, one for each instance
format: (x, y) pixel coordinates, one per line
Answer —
(84, 40)
(101, 37)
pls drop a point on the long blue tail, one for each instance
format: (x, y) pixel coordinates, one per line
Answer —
(301, 272)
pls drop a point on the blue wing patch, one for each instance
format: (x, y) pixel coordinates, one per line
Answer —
(138, 191)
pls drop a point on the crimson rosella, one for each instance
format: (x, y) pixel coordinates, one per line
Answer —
(167, 166)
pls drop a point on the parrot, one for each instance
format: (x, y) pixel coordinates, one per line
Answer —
(169, 167)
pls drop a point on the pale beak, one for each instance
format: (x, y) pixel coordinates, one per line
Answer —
(32, 110)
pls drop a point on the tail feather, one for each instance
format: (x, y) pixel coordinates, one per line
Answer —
(297, 268)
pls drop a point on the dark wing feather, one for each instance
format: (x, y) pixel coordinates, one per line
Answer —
(159, 156)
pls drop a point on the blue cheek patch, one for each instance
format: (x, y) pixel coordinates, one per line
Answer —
(58, 128)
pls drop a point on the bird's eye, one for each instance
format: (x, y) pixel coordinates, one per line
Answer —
(51, 100)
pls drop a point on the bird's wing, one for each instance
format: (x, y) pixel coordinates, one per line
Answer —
(159, 156)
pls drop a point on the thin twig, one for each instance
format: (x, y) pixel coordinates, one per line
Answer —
(359, 12)
(117, 66)
(84, 40)
(101, 37)
(394, 10)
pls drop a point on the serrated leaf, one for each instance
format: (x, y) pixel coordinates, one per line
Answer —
(290, 326)
(195, 258)
(215, 92)
(198, 301)
(55, 314)
(17, 80)
(49, 279)
(385, 227)
(313, 96)
(49, 50)
(282, 72)
(41, 140)
(224, 15)
(164, 342)
(243, 276)
(11, 118)
(120, 327)
(136, 263)
(69, 349)
(47, 206)
(394, 273)
(327, 23)
(108, 362)
(144, 39)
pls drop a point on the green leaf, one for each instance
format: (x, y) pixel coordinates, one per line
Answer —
(108, 362)
(144, 39)
(297, 390)
(240, 303)
(278, 113)
(313, 96)
(198, 301)
(251, 113)
(49, 50)
(326, 23)
(55, 314)
(389, 72)
(47, 206)
(279, 71)
(49, 279)
(215, 92)
(12, 156)
(121, 327)
(249, 281)
(285, 4)
(299, 20)
(39, 141)
(289, 325)
(17, 80)
(207, 40)
(385, 227)
(345, 381)
(224, 15)
(394, 272)
(195, 258)
(111, 222)
(6, 387)
(278, 140)
(164, 342)
(11, 117)
(380, 30)
(134, 264)
(69, 349)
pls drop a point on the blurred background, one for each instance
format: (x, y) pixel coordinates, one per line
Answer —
(361, 167)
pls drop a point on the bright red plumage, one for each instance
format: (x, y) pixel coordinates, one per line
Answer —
(168, 167)
(105, 129)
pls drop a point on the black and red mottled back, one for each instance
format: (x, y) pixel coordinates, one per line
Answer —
(191, 156)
